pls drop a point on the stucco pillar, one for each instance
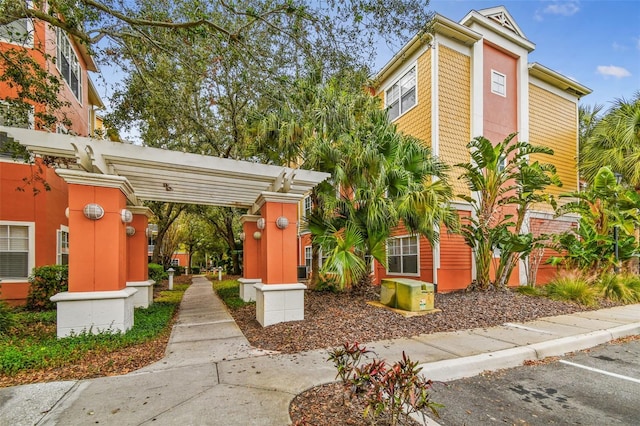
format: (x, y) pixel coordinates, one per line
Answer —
(279, 297)
(98, 298)
(137, 257)
(250, 258)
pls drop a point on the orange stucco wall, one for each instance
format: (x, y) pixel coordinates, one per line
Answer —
(97, 248)
(137, 247)
(251, 251)
(45, 209)
(278, 246)
(500, 112)
(45, 42)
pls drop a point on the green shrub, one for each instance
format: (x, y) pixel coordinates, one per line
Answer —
(398, 390)
(612, 287)
(572, 287)
(46, 281)
(195, 270)
(7, 318)
(157, 273)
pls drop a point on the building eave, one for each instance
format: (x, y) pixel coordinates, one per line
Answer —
(439, 25)
(558, 80)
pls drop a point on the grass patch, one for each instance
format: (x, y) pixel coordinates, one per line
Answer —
(229, 292)
(32, 343)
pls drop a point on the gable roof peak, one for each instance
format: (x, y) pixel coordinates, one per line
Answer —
(502, 16)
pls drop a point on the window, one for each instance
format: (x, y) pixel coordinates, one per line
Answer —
(175, 262)
(18, 114)
(498, 83)
(402, 95)
(63, 246)
(307, 258)
(68, 64)
(16, 251)
(18, 32)
(402, 255)
(307, 206)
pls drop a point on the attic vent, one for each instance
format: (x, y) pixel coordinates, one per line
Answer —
(502, 19)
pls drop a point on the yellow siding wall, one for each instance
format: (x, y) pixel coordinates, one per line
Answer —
(454, 109)
(553, 123)
(417, 121)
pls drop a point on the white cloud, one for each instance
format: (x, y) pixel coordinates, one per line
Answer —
(564, 8)
(618, 47)
(612, 71)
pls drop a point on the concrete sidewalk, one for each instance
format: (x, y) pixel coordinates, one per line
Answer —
(211, 375)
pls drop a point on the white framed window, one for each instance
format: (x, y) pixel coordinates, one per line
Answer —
(19, 32)
(62, 253)
(307, 257)
(307, 206)
(401, 96)
(498, 83)
(20, 115)
(17, 250)
(175, 262)
(402, 255)
(68, 64)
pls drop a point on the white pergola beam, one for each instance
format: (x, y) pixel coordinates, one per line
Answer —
(172, 176)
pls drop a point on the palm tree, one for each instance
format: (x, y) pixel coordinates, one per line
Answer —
(379, 177)
(386, 179)
(615, 142)
(504, 185)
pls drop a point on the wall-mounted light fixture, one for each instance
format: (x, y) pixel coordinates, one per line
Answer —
(66, 212)
(242, 236)
(282, 222)
(257, 235)
(126, 216)
(131, 231)
(93, 211)
(261, 223)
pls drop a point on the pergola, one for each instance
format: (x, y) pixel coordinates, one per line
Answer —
(107, 183)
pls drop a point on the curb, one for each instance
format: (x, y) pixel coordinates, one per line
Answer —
(459, 368)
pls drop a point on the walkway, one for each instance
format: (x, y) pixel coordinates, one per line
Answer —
(212, 376)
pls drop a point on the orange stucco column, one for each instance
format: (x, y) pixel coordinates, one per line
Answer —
(137, 245)
(278, 245)
(251, 255)
(97, 248)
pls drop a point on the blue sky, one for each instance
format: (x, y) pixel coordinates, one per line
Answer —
(594, 42)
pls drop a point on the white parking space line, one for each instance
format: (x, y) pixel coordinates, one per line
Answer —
(596, 370)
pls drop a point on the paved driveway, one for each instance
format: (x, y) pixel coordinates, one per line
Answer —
(600, 386)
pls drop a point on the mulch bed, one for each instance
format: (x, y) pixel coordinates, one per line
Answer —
(330, 405)
(333, 319)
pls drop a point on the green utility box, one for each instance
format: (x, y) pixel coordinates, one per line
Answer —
(388, 293)
(407, 294)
